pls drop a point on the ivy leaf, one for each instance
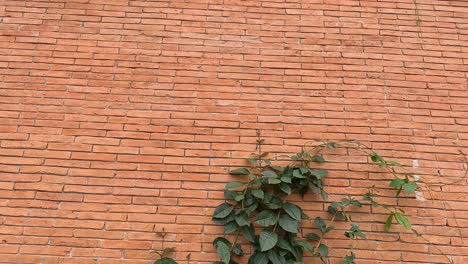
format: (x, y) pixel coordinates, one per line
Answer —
(267, 240)
(410, 187)
(239, 197)
(168, 250)
(286, 179)
(165, 261)
(230, 195)
(318, 158)
(259, 258)
(388, 223)
(323, 249)
(305, 245)
(275, 258)
(349, 259)
(232, 185)
(258, 193)
(289, 224)
(274, 181)
(237, 250)
(375, 157)
(324, 195)
(266, 218)
(284, 245)
(402, 220)
(252, 160)
(320, 224)
(230, 227)
(251, 208)
(242, 219)
(319, 173)
(397, 183)
(313, 237)
(222, 248)
(354, 232)
(241, 171)
(285, 188)
(249, 233)
(293, 210)
(223, 210)
(298, 174)
(269, 173)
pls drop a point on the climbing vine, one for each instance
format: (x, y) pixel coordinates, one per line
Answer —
(258, 207)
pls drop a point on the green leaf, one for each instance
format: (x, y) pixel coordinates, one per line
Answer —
(269, 173)
(293, 210)
(320, 224)
(230, 195)
(375, 157)
(275, 258)
(285, 188)
(324, 195)
(239, 197)
(242, 219)
(402, 220)
(252, 160)
(274, 181)
(237, 250)
(319, 173)
(232, 185)
(318, 158)
(286, 179)
(323, 249)
(165, 261)
(328, 229)
(223, 221)
(266, 218)
(249, 233)
(284, 245)
(305, 245)
(397, 183)
(258, 193)
(168, 250)
(349, 259)
(388, 223)
(298, 174)
(241, 171)
(394, 163)
(259, 258)
(410, 187)
(274, 203)
(289, 224)
(354, 232)
(250, 209)
(267, 240)
(313, 237)
(222, 248)
(230, 227)
(356, 203)
(223, 210)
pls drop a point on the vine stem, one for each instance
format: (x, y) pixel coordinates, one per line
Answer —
(323, 235)
(235, 239)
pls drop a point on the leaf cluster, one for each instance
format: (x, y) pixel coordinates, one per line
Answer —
(256, 207)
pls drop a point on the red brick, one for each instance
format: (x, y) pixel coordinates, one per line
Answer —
(118, 119)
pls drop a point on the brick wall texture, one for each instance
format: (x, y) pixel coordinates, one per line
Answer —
(120, 118)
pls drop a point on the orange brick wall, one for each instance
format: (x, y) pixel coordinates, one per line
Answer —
(119, 118)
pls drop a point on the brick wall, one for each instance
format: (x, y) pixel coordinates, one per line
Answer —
(119, 118)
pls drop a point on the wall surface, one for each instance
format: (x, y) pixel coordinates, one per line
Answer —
(120, 118)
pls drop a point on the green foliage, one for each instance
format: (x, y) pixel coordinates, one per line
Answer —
(163, 259)
(259, 203)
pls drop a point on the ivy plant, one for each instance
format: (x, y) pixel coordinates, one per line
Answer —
(257, 208)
